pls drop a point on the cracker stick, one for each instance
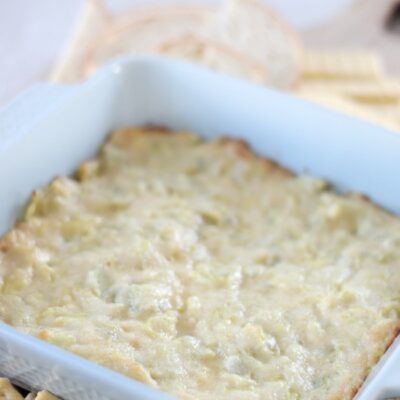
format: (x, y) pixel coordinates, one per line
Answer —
(379, 91)
(341, 64)
(7, 391)
(347, 106)
(92, 22)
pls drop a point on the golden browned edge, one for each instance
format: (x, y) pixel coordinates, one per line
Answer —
(240, 147)
(340, 394)
(244, 152)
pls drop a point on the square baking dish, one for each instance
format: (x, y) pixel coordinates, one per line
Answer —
(50, 130)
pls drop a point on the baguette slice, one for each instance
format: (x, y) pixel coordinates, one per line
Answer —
(213, 55)
(146, 30)
(242, 38)
(254, 30)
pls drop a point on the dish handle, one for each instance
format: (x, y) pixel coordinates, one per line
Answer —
(28, 108)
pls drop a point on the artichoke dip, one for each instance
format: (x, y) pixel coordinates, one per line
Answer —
(205, 271)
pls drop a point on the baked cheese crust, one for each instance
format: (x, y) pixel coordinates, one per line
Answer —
(205, 271)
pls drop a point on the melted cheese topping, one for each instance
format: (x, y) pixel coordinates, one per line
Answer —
(206, 272)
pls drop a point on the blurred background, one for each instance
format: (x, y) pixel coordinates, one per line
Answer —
(33, 34)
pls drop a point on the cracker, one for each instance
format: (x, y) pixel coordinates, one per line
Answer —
(342, 64)
(364, 91)
(350, 107)
(44, 395)
(387, 111)
(7, 391)
(92, 22)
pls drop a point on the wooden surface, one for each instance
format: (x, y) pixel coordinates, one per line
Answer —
(363, 25)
